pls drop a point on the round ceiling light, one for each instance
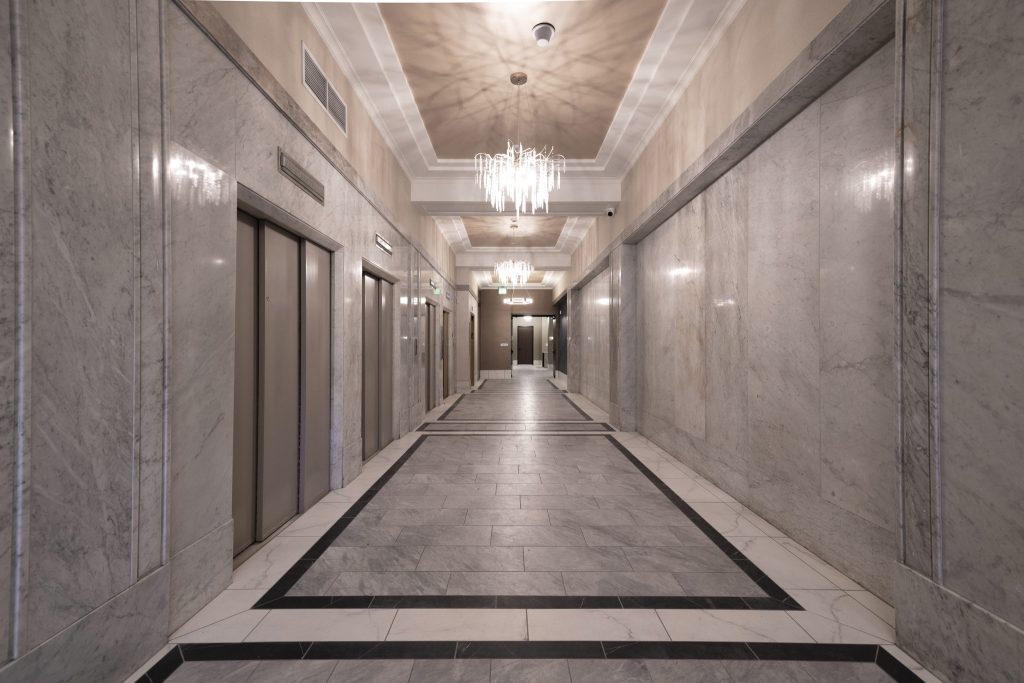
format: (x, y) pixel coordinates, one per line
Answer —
(543, 33)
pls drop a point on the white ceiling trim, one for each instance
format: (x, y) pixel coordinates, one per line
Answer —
(573, 232)
(359, 40)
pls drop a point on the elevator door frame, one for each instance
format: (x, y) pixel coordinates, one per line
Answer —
(256, 210)
(431, 383)
(446, 324)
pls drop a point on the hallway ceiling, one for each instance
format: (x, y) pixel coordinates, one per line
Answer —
(496, 231)
(458, 57)
(435, 80)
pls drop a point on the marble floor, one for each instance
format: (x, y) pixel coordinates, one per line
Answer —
(529, 541)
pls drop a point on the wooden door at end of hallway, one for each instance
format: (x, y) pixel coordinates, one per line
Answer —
(524, 345)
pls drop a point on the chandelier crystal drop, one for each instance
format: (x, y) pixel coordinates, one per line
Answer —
(523, 175)
(512, 273)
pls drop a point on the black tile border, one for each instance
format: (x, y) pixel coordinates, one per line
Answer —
(531, 649)
(540, 426)
(277, 596)
(565, 395)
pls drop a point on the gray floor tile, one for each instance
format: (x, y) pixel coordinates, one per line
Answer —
(482, 502)
(412, 516)
(719, 583)
(509, 478)
(204, 672)
(609, 671)
(363, 535)
(372, 671)
(575, 559)
(506, 583)
(536, 536)
(558, 502)
(570, 477)
(445, 535)
(663, 517)
(391, 558)
(620, 583)
(508, 517)
(301, 671)
(767, 672)
(450, 671)
(686, 559)
(592, 517)
(658, 503)
(530, 671)
(471, 559)
(399, 502)
(845, 672)
(686, 671)
(632, 536)
(474, 489)
(531, 489)
(389, 583)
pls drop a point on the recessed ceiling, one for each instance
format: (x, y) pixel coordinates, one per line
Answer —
(457, 59)
(536, 278)
(496, 231)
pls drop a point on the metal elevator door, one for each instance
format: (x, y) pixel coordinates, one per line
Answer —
(431, 383)
(282, 379)
(278, 432)
(316, 374)
(378, 311)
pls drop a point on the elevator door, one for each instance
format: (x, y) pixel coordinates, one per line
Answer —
(278, 433)
(316, 374)
(282, 385)
(243, 481)
(472, 350)
(378, 311)
(431, 383)
(445, 352)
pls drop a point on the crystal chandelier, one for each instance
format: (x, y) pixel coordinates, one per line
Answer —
(513, 274)
(523, 175)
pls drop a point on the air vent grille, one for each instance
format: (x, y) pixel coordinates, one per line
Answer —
(314, 78)
(337, 109)
(323, 90)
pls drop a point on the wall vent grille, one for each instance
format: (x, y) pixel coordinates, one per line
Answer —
(337, 109)
(314, 78)
(323, 90)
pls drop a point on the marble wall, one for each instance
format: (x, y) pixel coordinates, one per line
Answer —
(960, 607)
(766, 328)
(594, 339)
(133, 131)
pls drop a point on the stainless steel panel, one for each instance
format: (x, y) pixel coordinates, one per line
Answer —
(371, 370)
(316, 374)
(243, 478)
(278, 483)
(385, 356)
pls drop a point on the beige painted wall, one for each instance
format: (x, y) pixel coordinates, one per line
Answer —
(762, 40)
(275, 32)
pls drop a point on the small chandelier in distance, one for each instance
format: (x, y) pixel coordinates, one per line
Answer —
(513, 273)
(523, 175)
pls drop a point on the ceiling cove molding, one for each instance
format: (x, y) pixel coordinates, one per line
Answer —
(357, 37)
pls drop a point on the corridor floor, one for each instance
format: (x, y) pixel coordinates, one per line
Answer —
(516, 536)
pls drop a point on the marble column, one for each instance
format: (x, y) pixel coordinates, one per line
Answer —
(574, 315)
(622, 337)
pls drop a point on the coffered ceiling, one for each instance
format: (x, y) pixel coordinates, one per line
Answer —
(457, 59)
(496, 231)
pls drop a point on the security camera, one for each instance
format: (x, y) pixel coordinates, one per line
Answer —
(611, 211)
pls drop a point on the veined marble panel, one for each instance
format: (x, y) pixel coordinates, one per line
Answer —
(672, 267)
(981, 304)
(9, 273)
(857, 243)
(82, 273)
(594, 344)
(783, 325)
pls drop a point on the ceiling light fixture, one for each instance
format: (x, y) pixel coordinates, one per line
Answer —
(543, 33)
(524, 175)
(513, 272)
(519, 301)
